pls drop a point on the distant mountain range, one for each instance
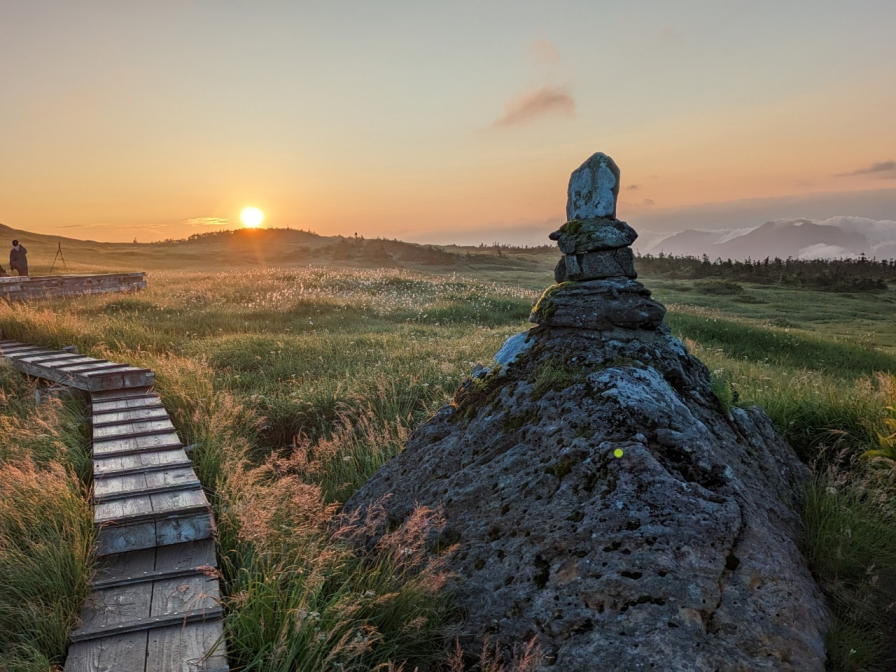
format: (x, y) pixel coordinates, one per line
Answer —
(843, 237)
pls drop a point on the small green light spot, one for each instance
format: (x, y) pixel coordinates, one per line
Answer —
(618, 452)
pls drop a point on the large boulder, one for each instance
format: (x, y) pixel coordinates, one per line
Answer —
(599, 498)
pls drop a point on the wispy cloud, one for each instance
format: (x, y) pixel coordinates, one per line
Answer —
(208, 221)
(882, 168)
(546, 101)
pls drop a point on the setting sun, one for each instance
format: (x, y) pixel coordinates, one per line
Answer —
(251, 217)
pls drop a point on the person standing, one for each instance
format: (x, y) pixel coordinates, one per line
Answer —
(18, 258)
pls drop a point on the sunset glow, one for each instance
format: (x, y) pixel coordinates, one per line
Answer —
(358, 124)
(251, 217)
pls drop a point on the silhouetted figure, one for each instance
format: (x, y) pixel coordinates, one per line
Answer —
(18, 258)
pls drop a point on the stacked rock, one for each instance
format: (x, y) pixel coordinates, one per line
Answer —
(596, 276)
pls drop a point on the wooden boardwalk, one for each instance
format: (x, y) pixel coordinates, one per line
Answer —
(50, 286)
(155, 605)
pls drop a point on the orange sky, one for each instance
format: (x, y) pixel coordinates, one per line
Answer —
(421, 122)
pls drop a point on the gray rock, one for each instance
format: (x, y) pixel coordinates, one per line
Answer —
(597, 496)
(680, 555)
(580, 236)
(593, 188)
(513, 348)
(598, 304)
(596, 265)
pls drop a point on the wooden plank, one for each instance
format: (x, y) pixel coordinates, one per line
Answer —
(112, 607)
(179, 619)
(192, 554)
(141, 439)
(114, 539)
(133, 429)
(110, 654)
(158, 490)
(180, 529)
(10, 353)
(115, 395)
(150, 576)
(111, 407)
(136, 444)
(104, 487)
(177, 500)
(130, 415)
(121, 565)
(197, 648)
(56, 358)
(92, 365)
(133, 511)
(121, 465)
(186, 593)
(102, 370)
(119, 379)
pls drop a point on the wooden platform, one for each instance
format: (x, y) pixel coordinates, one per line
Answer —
(155, 605)
(42, 287)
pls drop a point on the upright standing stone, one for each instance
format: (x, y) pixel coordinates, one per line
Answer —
(593, 188)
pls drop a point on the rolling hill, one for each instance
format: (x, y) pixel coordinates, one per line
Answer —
(244, 248)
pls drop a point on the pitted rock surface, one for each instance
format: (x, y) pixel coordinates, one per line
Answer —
(580, 236)
(593, 188)
(679, 556)
(599, 304)
(596, 265)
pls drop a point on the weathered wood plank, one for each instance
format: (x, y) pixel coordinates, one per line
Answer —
(187, 593)
(181, 529)
(122, 538)
(197, 648)
(177, 500)
(121, 565)
(193, 554)
(148, 402)
(179, 619)
(114, 395)
(105, 487)
(118, 380)
(120, 465)
(128, 416)
(125, 653)
(91, 365)
(113, 606)
(182, 476)
(157, 490)
(136, 444)
(55, 359)
(133, 428)
(133, 509)
(150, 576)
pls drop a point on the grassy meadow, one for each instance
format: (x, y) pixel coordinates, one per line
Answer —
(298, 383)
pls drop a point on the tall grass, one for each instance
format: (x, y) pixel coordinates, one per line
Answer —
(850, 543)
(46, 525)
(297, 384)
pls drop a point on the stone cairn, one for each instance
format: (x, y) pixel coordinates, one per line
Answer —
(595, 495)
(596, 276)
